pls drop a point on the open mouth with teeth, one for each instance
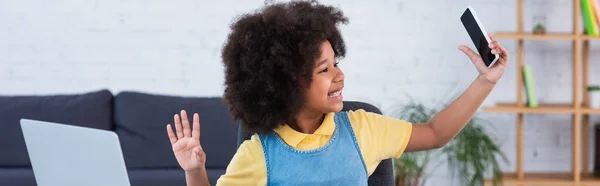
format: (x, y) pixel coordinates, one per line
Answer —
(335, 95)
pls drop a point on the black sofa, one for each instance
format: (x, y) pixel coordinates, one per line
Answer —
(139, 119)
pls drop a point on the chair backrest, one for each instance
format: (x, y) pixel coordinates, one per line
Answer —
(383, 174)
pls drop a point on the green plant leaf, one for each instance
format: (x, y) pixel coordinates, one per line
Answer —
(468, 156)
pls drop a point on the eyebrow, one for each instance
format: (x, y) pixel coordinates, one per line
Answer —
(321, 62)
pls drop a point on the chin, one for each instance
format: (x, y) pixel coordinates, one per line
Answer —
(334, 101)
(337, 107)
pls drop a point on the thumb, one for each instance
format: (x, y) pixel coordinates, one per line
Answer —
(465, 49)
(198, 152)
(474, 57)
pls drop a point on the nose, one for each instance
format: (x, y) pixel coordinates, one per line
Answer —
(339, 76)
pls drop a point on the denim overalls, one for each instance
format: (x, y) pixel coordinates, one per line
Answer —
(339, 162)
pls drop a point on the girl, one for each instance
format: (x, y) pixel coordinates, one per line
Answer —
(283, 82)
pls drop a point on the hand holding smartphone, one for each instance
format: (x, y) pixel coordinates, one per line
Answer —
(479, 36)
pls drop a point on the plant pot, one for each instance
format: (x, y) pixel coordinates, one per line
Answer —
(595, 99)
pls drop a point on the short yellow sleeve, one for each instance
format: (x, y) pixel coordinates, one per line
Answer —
(247, 167)
(380, 137)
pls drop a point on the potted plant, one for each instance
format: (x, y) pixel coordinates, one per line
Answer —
(594, 92)
(539, 27)
(469, 156)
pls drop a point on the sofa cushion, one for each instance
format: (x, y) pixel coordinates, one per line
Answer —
(167, 176)
(17, 176)
(141, 119)
(92, 109)
(137, 177)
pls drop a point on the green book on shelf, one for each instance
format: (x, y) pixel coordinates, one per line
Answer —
(529, 86)
(589, 18)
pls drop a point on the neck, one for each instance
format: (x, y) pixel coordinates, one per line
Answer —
(307, 122)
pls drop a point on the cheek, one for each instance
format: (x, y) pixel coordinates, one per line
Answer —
(321, 89)
(318, 90)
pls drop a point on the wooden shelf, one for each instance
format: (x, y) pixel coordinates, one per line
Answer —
(587, 110)
(548, 178)
(530, 36)
(580, 150)
(590, 37)
(547, 36)
(541, 109)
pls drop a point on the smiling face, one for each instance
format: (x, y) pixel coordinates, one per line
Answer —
(325, 92)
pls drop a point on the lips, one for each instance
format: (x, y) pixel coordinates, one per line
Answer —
(335, 94)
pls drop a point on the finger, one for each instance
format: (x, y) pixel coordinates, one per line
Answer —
(197, 153)
(178, 126)
(503, 55)
(474, 57)
(501, 50)
(200, 152)
(186, 124)
(504, 52)
(493, 44)
(172, 136)
(470, 53)
(196, 127)
(497, 48)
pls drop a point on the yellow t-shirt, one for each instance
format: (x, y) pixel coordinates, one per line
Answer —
(379, 137)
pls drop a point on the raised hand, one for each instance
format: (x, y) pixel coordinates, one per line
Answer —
(186, 144)
(493, 73)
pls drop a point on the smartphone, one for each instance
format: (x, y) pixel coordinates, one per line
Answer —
(479, 36)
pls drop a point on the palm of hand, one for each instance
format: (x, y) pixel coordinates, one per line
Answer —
(186, 145)
(185, 151)
(493, 73)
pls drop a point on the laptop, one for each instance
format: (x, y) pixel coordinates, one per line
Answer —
(67, 155)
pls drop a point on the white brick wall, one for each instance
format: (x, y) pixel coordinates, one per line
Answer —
(172, 47)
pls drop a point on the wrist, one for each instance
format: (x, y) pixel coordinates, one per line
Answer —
(197, 177)
(482, 79)
(198, 171)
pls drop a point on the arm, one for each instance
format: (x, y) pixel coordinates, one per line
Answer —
(445, 125)
(198, 178)
(241, 170)
(187, 149)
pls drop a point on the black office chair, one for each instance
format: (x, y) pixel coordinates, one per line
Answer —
(383, 174)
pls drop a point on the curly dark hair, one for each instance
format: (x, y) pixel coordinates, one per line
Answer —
(266, 55)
